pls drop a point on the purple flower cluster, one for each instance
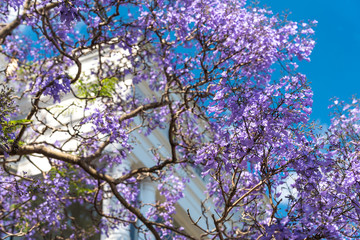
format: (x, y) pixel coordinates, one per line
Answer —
(68, 13)
(104, 123)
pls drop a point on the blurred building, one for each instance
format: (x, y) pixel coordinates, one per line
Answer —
(141, 155)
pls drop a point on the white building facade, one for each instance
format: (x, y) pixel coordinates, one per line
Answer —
(141, 155)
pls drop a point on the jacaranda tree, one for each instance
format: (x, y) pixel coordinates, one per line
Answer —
(225, 88)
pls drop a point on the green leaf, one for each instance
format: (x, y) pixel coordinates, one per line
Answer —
(102, 88)
(20, 122)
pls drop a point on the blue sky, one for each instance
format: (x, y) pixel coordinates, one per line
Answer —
(334, 70)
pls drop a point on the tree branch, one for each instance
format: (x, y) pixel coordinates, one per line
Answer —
(7, 30)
